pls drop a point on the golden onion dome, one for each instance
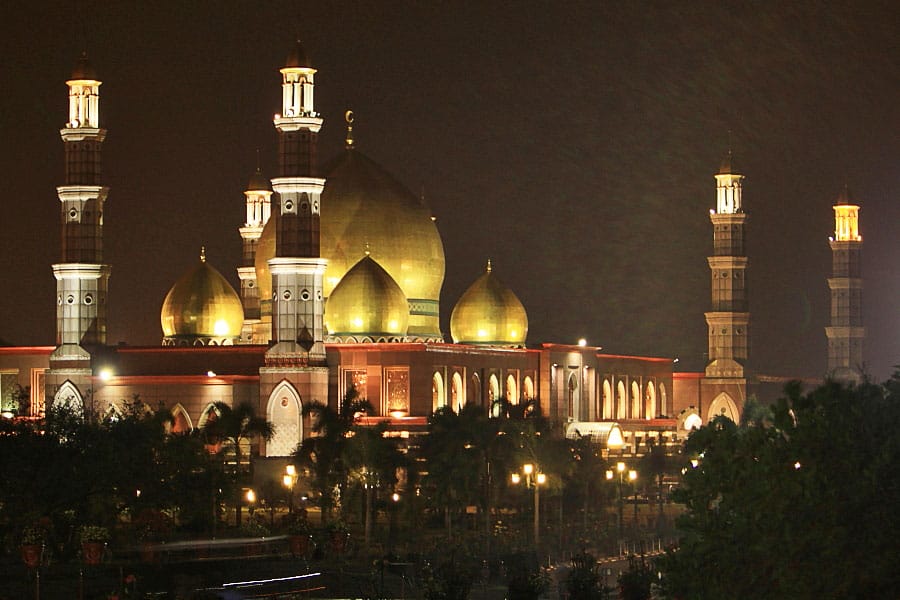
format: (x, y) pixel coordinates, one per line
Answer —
(367, 305)
(202, 308)
(363, 206)
(489, 313)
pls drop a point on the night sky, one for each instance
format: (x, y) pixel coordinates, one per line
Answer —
(573, 144)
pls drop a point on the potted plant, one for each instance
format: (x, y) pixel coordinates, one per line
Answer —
(298, 532)
(32, 546)
(338, 534)
(93, 540)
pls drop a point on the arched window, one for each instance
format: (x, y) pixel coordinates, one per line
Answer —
(607, 400)
(650, 401)
(572, 388)
(512, 394)
(493, 389)
(474, 395)
(112, 414)
(284, 412)
(635, 400)
(621, 401)
(438, 398)
(182, 421)
(663, 409)
(458, 395)
(527, 389)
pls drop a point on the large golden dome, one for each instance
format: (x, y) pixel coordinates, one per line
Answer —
(367, 305)
(489, 313)
(365, 209)
(201, 309)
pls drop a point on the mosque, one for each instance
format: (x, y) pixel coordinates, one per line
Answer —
(340, 280)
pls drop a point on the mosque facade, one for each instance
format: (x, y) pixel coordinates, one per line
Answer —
(340, 280)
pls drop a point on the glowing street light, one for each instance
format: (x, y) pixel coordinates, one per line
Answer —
(623, 472)
(538, 479)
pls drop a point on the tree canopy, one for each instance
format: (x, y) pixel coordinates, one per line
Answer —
(800, 506)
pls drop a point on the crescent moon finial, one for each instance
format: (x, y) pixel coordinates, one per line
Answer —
(348, 117)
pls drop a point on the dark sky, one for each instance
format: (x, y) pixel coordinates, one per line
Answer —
(573, 144)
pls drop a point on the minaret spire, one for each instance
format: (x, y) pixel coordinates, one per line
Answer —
(82, 277)
(258, 202)
(297, 357)
(845, 333)
(729, 317)
(298, 269)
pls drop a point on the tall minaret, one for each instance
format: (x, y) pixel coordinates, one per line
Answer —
(729, 318)
(297, 269)
(259, 197)
(81, 275)
(295, 372)
(846, 333)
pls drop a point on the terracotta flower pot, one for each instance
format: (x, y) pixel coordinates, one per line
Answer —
(92, 552)
(31, 555)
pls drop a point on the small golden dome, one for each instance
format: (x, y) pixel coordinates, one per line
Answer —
(201, 308)
(489, 313)
(367, 305)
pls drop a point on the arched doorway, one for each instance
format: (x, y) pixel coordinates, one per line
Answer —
(607, 400)
(650, 401)
(457, 392)
(493, 388)
(635, 400)
(621, 401)
(572, 405)
(438, 399)
(723, 406)
(181, 420)
(69, 398)
(512, 395)
(474, 394)
(663, 409)
(284, 412)
(527, 389)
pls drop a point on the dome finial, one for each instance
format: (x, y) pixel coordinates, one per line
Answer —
(348, 117)
(202, 253)
(489, 266)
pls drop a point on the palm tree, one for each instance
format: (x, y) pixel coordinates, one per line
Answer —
(322, 453)
(372, 460)
(232, 427)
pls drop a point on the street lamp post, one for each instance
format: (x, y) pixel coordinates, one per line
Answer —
(632, 476)
(535, 482)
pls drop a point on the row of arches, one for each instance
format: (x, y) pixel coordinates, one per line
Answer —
(647, 403)
(482, 394)
(284, 410)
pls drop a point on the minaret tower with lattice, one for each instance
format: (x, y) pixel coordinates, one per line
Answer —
(729, 317)
(845, 333)
(295, 371)
(258, 197)
(81, 273)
